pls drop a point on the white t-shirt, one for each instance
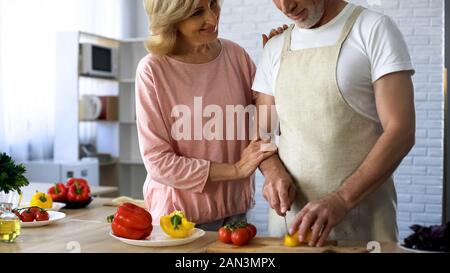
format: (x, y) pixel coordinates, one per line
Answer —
(375, 47)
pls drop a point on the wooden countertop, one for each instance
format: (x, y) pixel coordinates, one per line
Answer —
(87, 230)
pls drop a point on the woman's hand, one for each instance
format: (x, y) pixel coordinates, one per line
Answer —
(273, 32)
(252, 156)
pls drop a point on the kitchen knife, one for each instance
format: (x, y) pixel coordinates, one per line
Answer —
(285, 225)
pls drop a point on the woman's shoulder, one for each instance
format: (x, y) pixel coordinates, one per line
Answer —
(151, 65)
(148, 62)
(233, 47)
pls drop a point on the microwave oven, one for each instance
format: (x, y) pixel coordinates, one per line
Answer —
(98, 61)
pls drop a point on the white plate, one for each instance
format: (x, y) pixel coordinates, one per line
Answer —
(416, 250)
(159, 239)
(54, 216)
(56, 206)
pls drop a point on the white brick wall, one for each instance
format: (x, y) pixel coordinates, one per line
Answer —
(419, 178)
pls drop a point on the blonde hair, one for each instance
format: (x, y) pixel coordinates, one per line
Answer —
(163, 16)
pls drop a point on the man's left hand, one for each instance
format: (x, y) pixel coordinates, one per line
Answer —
(319, 217)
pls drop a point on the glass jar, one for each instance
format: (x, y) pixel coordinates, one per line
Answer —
(9, 224)
(12, 197)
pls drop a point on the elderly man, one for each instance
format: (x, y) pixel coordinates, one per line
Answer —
(340, 78)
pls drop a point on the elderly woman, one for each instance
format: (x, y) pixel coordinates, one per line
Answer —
(188, 71)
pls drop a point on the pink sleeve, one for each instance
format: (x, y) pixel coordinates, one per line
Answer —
(161, 162)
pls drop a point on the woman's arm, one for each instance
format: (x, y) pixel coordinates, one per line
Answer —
(251, 157)
(161, 161)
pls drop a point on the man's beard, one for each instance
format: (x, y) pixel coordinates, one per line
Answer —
(314, 17)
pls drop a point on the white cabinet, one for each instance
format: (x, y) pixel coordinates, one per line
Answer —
(116, 139)
(54, 171)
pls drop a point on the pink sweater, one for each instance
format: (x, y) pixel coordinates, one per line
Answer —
(178, 170)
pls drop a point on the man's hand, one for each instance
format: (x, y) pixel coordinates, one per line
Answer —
(320, 217)
(279, 189)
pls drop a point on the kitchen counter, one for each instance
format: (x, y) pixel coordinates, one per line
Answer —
(87, 230)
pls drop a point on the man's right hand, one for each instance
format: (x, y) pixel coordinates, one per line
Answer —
(279, 189)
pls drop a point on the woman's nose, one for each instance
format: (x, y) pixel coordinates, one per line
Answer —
(212, 16)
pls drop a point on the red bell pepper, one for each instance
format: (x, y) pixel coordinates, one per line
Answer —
(79, 181)
(132, 222)
(78, 193)
(58, 192)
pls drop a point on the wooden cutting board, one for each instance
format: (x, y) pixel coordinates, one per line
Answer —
(275, 245)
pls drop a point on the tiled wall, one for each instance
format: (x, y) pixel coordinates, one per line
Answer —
(419, 179)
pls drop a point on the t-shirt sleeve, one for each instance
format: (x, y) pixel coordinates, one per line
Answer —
(264, 73)
(387, 49)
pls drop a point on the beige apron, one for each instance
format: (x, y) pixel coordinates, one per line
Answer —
(323, 141)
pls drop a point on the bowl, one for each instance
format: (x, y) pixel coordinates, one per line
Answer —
(77, 205)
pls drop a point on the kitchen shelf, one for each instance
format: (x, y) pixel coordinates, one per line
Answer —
(135, 40)
(117, 138)
(128, 122)
(98, 78)
(100, 121)
(132, 161)
(130, 80)
(113, 161)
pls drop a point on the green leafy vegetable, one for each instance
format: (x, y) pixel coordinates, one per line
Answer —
(11, 175)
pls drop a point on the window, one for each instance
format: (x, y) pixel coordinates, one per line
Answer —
(27, 64)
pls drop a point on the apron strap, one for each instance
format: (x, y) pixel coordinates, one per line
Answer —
(349, 24)
(287, 39)
(344, 34)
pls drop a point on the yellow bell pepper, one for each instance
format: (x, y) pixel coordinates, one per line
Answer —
(292, 240)
(176, 225)
(42, 200)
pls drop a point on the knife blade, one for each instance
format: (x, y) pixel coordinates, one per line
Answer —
(285, 225)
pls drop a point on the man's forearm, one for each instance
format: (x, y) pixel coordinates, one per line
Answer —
(379, 165)
(272, 166)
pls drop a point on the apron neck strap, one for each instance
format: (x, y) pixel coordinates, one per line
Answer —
(349, 24)
(344, 34)
(287, 38)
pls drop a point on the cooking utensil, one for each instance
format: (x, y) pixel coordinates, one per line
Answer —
(285, 225)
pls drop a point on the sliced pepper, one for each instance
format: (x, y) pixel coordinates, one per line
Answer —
(176, 225)
(292, 240)
(42, 200)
